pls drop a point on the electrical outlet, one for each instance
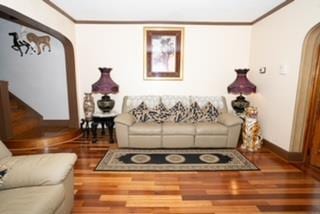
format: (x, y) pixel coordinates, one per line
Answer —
(263, 70)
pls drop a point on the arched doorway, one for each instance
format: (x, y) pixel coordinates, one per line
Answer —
(19, 18)
(306, 118)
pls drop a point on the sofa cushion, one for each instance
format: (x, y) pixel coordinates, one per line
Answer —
(171, 128)
(159, 113)
(145, 141)
(169, 101)
(125, 119)
(141, 112)
(217, 101)
(133, 101)
(207, 128)
(34, 170)
(178, 113)
(147, 128)
(229, 119)
(32, 200)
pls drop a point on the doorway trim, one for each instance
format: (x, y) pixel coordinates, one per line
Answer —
(307, 76)
(14, 16)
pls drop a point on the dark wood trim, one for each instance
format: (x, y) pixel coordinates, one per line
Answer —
(307, 74)
(314, 106)
(5, 113)
(55, 123)
(72, 88)
(63, 12)
(288, 156)
(19, 18)
(273, 10)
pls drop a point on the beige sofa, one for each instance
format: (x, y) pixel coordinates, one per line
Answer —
(131, 134)
(36, 183)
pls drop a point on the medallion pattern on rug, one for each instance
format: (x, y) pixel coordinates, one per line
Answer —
(174, 160)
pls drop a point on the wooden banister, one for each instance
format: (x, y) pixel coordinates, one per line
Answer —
(5, 113)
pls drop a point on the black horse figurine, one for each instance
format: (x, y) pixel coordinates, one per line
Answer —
(18, 43)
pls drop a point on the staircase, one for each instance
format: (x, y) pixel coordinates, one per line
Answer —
(23, 117)
(22, 128)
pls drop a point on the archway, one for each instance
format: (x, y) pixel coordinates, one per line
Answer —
(308, 74)
(19, 18)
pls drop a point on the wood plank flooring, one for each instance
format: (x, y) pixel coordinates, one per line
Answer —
(42, 137)
(278, 188)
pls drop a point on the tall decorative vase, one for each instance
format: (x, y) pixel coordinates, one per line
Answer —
(88, 106)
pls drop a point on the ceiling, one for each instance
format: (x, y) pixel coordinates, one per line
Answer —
(214, 11)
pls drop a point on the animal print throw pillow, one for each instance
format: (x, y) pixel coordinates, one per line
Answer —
(3, 172)
(210, 113)
(159, 113)
(195, 113)
(141, 112)
(179, 113)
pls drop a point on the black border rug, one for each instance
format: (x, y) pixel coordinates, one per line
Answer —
(175, 160)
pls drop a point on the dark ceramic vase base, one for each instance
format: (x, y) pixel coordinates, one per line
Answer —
(240, 104)
(105, 104)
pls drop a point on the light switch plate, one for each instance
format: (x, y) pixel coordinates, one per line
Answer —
(283, 70)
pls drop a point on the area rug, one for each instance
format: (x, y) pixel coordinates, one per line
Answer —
(174, 160)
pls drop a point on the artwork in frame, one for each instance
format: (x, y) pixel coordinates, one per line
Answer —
(163, 53)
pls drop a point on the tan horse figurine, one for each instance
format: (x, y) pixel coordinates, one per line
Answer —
(38, 41)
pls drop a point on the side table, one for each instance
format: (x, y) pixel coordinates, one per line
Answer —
(104, 119)
(85, 127)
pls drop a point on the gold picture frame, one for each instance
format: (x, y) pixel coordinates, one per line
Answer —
(163, 53)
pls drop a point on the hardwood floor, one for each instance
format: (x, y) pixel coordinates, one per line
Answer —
(278, 188)
(42, 137)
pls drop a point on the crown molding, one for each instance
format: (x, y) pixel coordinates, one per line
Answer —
(60, 10)
(275, 9)
(160, 22)
(64, 13)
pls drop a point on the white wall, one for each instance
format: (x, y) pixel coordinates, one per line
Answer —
(211, 53)
(39, 80)
(43, 13)
(278, 40)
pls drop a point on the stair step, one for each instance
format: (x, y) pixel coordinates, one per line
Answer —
(28, 123)
(23, 117)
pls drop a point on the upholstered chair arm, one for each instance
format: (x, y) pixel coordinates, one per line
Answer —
(36, 170)
(229, 119)
(4, 151)
(125, 119)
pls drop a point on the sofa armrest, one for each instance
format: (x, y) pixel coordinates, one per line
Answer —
(36, 170)
(125, 119)
(4, 151)
(229, 119)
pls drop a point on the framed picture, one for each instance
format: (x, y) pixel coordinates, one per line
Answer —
(163, 53)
